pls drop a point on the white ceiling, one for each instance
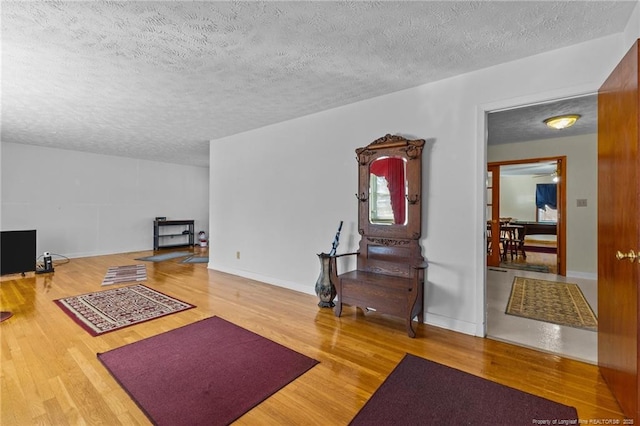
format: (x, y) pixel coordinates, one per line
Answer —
(158, 80)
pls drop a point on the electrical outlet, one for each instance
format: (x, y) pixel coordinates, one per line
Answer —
(237, 255)
(581, 202)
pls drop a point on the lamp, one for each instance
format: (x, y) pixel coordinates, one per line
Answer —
(560, 122)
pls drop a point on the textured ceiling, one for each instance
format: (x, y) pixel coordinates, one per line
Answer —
(158, 80)
(527, 123)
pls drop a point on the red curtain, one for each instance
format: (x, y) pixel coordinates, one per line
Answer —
(392, 169)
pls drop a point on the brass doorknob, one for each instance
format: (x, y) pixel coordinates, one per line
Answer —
(632, 255)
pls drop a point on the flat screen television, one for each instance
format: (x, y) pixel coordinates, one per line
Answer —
(17, 252)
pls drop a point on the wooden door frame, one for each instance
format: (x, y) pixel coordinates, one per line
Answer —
(494, 258)
(562, 202)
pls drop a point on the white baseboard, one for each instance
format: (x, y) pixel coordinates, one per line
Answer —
(451, 324)
(583, 275)
(431, 319)
(265, 279)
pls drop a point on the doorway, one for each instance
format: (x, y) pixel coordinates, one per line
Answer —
(526, 215)
(575, 155)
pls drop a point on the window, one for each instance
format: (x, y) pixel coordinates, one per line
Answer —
(381, 211)
(548, 215)
(547, 202)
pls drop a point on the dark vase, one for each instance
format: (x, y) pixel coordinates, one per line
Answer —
(325, 289)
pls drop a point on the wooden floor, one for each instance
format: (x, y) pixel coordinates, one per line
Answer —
(51, 376)
(533, 258)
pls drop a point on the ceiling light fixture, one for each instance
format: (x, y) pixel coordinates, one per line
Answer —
(562, 121)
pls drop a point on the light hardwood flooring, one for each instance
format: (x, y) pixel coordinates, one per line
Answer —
(51, 375)
(535, 259)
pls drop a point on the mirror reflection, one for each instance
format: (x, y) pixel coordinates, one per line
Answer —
(388, 191)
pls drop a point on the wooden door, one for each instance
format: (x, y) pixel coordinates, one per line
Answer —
(493, 215)
(618, 230)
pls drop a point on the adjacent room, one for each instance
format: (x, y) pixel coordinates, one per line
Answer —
(546, 205)
(279, 213)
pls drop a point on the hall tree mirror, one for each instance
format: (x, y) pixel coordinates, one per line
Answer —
(389, 187)
(390, 269)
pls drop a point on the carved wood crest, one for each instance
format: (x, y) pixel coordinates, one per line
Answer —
(412, 148)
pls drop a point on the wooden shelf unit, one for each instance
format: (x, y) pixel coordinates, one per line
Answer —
(185, 236)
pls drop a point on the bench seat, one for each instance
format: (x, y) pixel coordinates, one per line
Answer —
(400, 296)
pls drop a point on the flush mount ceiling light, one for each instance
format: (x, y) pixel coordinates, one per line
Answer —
(561, 121)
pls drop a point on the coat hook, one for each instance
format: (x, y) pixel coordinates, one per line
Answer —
(412, 199)
(362, 197)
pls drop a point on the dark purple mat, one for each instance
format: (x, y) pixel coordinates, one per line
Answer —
(422, 392)
(207, 373)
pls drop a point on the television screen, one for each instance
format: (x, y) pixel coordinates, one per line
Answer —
(17, 251)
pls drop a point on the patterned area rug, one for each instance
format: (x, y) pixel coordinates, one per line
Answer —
(123, 274)
(550, 301)
(104, 311)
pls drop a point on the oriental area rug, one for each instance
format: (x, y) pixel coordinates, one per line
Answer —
(551, 301)
(422, 392)
(109, 310)
(123, 274)
(207, 373)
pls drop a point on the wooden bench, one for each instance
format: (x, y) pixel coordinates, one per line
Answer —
(384, 283)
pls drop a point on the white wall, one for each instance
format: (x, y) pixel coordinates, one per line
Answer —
(87, 204)
(277, 193)
(582, 183)
(518, 196)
